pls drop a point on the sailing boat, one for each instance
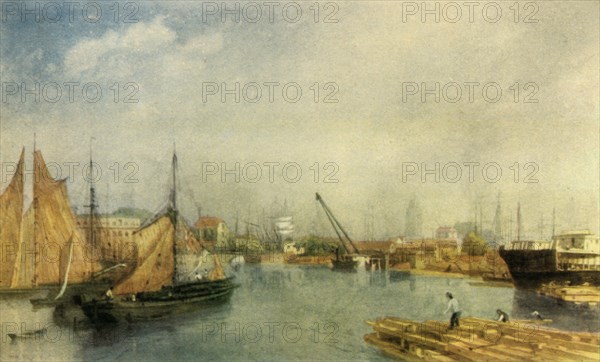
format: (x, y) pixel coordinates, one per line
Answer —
(345, 261)
(11, 218)
(49, 248)
(159, 285)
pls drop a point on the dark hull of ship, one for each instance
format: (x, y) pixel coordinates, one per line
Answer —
(344, 264)
(10, 293)
(168, 301)
(532, 268)
(73, 290)
(52, 290)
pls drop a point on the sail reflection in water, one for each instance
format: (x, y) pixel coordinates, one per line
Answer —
(276, 295)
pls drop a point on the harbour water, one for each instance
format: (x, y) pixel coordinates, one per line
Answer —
(279, 312)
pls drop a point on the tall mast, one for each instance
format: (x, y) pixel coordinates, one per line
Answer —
(174, 189)
(92, 204)
(519, 222)
(35, 202)
(173, 211)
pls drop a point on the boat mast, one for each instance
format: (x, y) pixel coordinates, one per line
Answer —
(92, 204)
(173, 212)
(35, 202)
(519, 222)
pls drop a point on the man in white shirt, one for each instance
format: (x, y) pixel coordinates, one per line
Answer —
(454, 308)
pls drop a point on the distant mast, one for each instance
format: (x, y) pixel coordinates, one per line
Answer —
(519, 225)
(553, 222)
(498, 222)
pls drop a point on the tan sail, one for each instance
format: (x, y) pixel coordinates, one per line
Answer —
(156, 261)
(26, 254)
(54, 226)
(187, 242)
(11, 214)
(217, 273)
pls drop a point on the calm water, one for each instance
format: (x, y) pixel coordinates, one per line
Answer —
(280, 312)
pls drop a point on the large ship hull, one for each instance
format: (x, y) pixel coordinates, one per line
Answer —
(161, 304)
(532, 268)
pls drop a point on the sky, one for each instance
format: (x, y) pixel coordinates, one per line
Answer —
(347, 96)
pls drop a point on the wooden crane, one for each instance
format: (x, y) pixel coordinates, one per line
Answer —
(344, 261)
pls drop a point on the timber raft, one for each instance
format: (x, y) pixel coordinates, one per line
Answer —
(579, 295)
(480, 340)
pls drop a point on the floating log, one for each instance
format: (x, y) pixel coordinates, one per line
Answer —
(478, 339)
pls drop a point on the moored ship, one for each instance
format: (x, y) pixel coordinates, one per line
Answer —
(572, 257)
(166, 278)
(43, 250)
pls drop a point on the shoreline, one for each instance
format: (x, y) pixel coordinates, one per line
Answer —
(325, 260)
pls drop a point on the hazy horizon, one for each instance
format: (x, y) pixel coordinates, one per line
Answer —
(367, 61)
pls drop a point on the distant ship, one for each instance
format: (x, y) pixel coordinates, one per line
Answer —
(572, 256)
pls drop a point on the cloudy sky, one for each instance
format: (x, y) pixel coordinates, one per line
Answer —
(362, 116)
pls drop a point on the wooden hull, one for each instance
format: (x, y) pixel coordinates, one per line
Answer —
(18, 293)
(92, 288)
(158, 305)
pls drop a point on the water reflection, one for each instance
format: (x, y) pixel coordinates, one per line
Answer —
(564, 315)
(325, 312)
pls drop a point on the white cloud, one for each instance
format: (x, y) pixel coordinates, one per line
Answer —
(148, 52)
(140, 40)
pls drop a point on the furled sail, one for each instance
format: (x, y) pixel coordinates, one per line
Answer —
(11, 214)
(155, 259)
(54, 226)
(23, 276)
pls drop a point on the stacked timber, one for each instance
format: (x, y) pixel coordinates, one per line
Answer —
(580, 295)
(480, 340)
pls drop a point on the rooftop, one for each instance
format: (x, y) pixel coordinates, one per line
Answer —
(208, 222)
